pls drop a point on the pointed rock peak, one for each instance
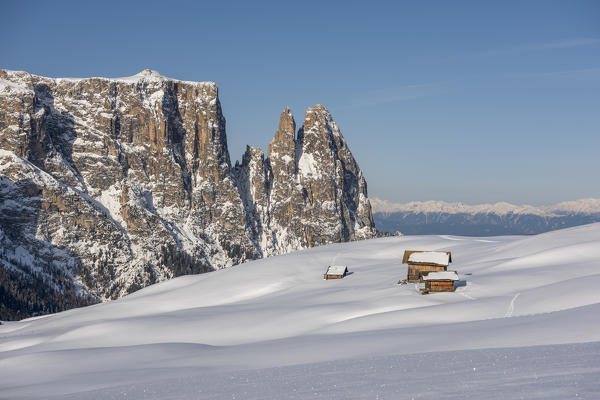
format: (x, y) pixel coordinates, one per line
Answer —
(319, 125)
(283, 141)
(317, 115)
(317, 107)
(286, 122)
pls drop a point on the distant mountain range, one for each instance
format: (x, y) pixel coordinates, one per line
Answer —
(439, 217)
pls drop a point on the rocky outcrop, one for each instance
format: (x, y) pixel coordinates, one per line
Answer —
(319, 194)
(113, 184)
(309, 191)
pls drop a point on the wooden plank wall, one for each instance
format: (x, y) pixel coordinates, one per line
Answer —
(415, 272)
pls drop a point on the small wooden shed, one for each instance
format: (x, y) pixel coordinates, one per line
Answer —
(439, 281)
(421, 262)
(336, 272)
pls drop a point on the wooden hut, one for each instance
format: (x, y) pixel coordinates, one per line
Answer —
(421, 263)
(439, 281)
(336, 272)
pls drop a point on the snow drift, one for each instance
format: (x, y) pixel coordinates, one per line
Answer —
(524, 321)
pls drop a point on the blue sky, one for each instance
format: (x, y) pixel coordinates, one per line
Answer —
(456, 101)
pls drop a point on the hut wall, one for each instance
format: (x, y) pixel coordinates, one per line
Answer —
(333, 276)
(415, 272)
(439, 286)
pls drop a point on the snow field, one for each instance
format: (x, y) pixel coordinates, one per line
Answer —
(526, 315)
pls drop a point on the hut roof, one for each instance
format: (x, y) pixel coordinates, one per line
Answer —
(441, 276)
(427, 257)
(336, 270)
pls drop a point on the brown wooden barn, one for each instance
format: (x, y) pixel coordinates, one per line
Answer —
(336, 272)
(421, 263)
(439, 281)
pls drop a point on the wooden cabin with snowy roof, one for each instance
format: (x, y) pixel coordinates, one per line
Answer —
(439, 281)
(336, 272)
(421, 263)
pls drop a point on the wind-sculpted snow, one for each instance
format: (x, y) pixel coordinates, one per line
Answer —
(524, 322)
(128, 182)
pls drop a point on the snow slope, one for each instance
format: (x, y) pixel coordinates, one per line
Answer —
(523, 323)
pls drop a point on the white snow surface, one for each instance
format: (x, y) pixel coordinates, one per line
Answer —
(524, 322)
(308, 166)
(430, 257)
(441, 276)
(8, 88)
(146, 75)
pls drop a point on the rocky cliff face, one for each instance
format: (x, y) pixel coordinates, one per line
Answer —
(109, 185)
(327, 198)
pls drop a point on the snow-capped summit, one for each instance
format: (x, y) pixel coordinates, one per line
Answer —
(146, 74)
(439, 217)
(150, 72)
(582, 206)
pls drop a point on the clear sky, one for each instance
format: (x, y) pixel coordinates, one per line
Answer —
(460, 101)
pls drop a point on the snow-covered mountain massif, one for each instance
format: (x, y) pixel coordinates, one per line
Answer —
(524, 323)
(439, 217)
(110, 185)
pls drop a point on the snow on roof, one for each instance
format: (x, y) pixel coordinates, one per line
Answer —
(441, 276)
(336, 270)
(430, 257)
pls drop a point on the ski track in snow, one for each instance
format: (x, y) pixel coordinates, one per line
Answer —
(274, 329)
(511, 307)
